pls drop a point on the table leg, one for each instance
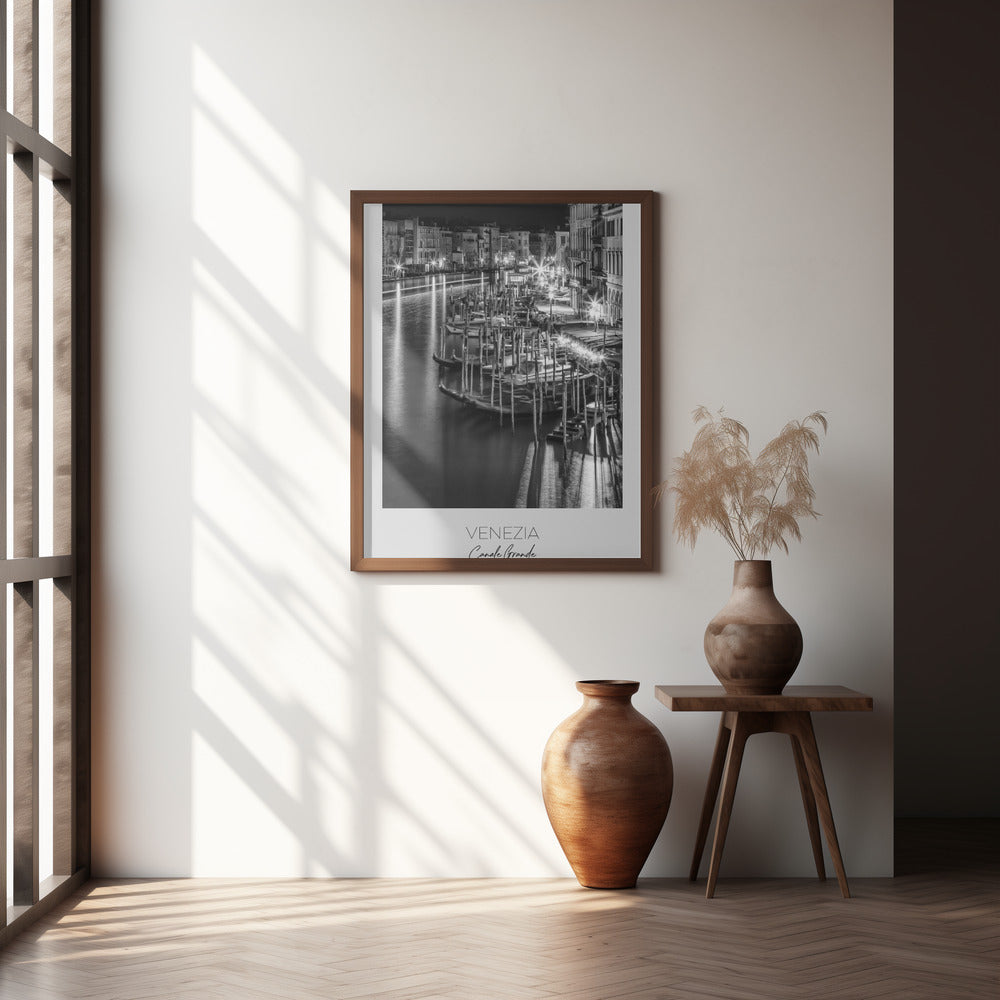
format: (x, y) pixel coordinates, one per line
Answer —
(740, 732)
(809, 804)
(810, 752)
(711, 794)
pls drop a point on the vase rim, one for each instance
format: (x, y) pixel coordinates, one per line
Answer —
(608, 688)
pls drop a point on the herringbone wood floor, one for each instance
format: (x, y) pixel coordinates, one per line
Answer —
(932, 932)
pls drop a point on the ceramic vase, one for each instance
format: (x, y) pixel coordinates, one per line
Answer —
(753, 645)
(607, 778)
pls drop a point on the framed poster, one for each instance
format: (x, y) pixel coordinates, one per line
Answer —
(502, 370)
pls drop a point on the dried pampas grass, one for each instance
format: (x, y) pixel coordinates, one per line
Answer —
(754, 504)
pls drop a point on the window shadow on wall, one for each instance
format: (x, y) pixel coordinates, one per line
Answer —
(300, 683)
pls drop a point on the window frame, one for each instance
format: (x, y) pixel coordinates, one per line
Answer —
(23, 568)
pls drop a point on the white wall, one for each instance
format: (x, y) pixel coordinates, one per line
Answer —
(259, 710)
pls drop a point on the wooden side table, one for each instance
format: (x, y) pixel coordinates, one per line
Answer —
(744, 715)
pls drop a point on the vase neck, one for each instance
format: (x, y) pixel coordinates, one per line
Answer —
(752, 573)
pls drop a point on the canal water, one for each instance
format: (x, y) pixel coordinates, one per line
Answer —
(438, 452)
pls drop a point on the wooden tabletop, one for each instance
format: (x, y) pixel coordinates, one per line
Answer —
(795, 698)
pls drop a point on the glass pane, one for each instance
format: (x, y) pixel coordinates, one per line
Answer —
(45, 783)
(7, 730)
(44, 377)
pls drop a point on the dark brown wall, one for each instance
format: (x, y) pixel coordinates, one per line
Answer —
(947, 408)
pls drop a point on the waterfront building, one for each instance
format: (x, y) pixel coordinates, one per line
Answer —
(489, 243)
(393, 247)
(467, 243)
(580, 230)
(561, 252)
(518, 242)
(431, 243)
(541, 245)
(611, 278)
(399, 245)
(447, 246)
(410, 227)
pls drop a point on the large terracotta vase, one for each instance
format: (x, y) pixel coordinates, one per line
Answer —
(607, 778)
(753, 644)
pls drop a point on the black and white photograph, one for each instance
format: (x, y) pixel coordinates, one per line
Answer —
(503, 345)
(502, 352)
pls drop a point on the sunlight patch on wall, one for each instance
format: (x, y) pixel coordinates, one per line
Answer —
(274, 628)
(461, 743)
(253, 400)
(330, 284)
(215, 849)
(268, 699)
(272, 153)
(246, 193)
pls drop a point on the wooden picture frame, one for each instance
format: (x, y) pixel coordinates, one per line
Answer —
(502, 380)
